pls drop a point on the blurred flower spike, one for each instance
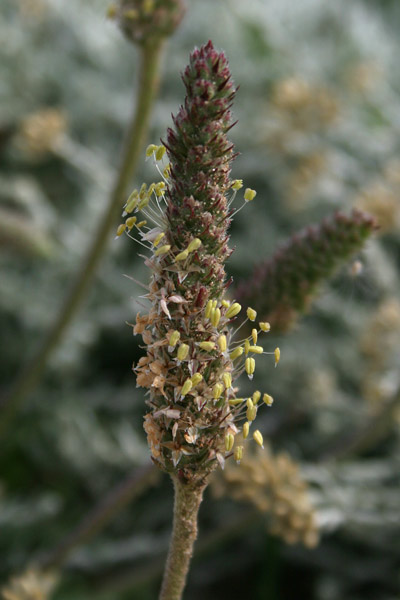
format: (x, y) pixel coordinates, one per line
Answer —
(145, 21)
(193, 357)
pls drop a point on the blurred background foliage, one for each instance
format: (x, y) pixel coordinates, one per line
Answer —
(317, 515)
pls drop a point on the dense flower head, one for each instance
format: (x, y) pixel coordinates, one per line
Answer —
(144, 21)
(192, 359)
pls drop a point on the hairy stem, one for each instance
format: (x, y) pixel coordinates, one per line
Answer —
(136, 136)
(184, 533)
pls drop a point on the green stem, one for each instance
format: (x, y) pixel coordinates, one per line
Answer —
(184, 533)
(135, 139)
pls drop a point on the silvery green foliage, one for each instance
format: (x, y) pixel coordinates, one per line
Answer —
(82, 430)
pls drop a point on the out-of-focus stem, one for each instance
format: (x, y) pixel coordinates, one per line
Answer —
(184, 533)
(136, 483)
(136, 135)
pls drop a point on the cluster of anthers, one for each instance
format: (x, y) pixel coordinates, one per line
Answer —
(185, 361)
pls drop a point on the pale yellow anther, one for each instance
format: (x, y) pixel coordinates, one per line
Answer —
(256, 397)
(236, 353)
(225, 303)
(143, 191)
(130, 222)
(246, 347)
(277, 354)
(215, 316)
(132, 202)
(258, 438)
(214, 303)
(183, 351)
(229, 441)
(237, 184)
(112, 11)
(121, 229)
(208, 309)
(150, 149)
(251, 411)
(246, 429)
(160, 152)
(264, 326)
(250, 367)
(222, 343)
(194, 245)
(181, 256)
(167, 171)
(151, 189)
(227, 379)
(256, 349)
(251, 313)
(238, 453)
(131, 14)
(141, 224)
(236, 401)
(233, 310)
(268, 399)
(162, 250)
(187, 386)
(159, 188)
(144, 202)
(207, 346)
(174, 339)
(249, 194)
(158, 239)
(196, 378)
(217, 390)
(254, 335)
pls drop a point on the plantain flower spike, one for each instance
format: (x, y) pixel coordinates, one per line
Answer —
(189, 373)
(146, 22)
